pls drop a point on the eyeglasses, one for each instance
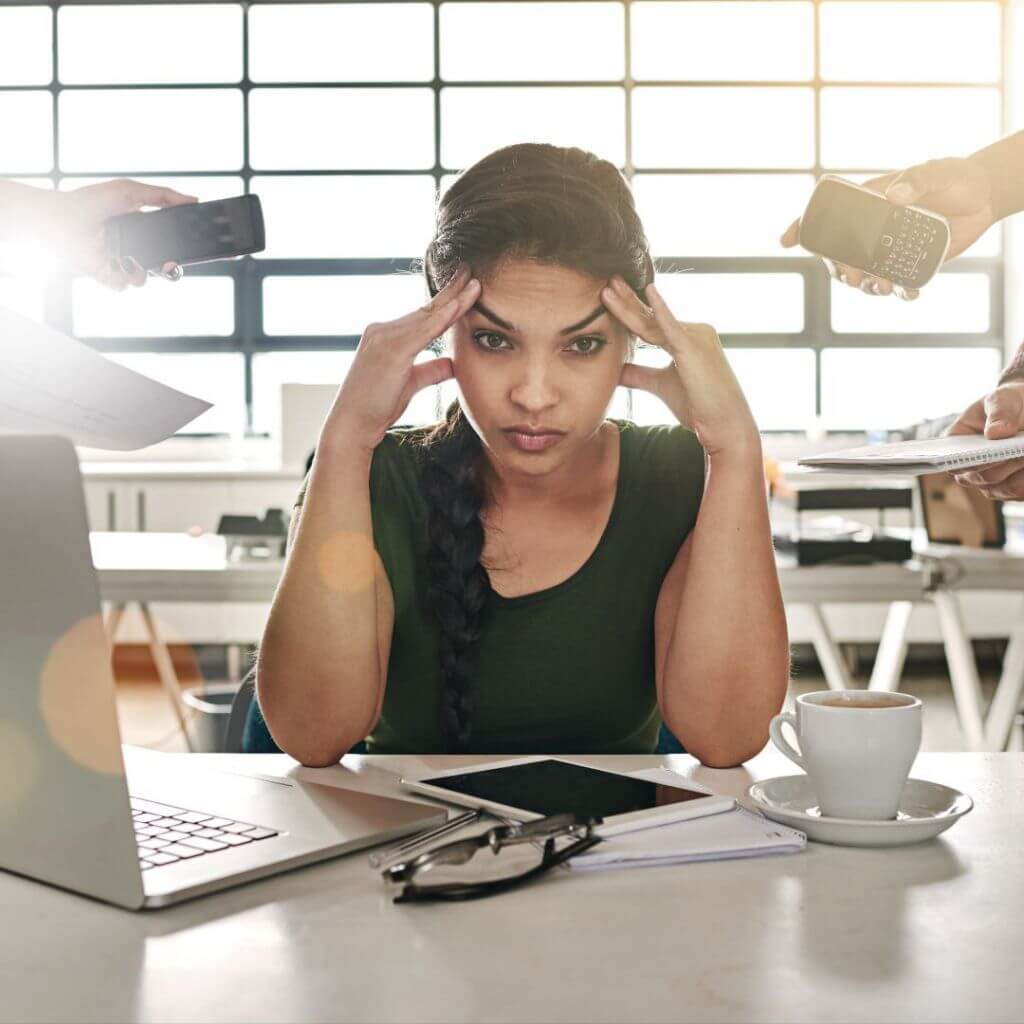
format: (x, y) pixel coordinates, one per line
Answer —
(521, 852)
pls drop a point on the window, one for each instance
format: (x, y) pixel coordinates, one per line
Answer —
(349, 119)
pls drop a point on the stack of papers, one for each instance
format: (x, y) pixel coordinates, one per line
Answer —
(725, 836)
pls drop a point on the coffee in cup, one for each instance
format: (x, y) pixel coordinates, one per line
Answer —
(874, 702)
(856, 746)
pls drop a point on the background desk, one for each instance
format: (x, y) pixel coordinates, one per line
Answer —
(157, 567)
(924, 933)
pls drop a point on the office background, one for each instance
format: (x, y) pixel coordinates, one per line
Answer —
(349, 119)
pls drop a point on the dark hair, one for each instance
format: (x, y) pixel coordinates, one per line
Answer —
(557, 205)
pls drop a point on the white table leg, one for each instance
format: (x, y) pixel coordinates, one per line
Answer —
(963, 670)
(1006, 701)
(165, 670)
(827, 650)
(892, 648)
(1015, 744)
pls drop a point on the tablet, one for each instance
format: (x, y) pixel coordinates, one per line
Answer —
(528, 788)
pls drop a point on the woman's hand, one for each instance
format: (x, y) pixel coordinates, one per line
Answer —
(957, 187)
(384, 375)
(699, 385)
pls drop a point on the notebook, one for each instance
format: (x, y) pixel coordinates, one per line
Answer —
(726, 836)
(914, 458)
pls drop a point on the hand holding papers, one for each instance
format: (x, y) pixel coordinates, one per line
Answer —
(52, 384)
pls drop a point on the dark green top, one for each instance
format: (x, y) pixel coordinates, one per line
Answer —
(569, 669)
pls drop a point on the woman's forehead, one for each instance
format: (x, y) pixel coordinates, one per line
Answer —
(529, 289)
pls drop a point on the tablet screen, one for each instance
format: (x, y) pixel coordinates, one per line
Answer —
(556, 787)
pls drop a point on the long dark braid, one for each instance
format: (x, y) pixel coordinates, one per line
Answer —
(458, 587)
(554, 204)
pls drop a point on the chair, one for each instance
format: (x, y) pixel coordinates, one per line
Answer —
(247, 732)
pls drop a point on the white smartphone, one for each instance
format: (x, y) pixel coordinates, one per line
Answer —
(528, 788)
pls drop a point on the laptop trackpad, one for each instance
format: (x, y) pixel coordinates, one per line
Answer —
(285, 804)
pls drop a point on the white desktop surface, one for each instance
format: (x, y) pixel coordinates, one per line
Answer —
(930, 932)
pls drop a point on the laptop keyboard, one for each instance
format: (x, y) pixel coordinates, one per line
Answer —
(166, 834)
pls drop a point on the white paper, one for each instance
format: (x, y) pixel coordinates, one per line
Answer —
(729, 835)
(53, 384)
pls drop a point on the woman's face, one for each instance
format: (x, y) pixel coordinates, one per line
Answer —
(537, 351)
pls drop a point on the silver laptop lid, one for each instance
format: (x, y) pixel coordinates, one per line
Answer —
(64, 811)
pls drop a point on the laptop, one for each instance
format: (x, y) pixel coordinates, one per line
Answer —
(134, 827)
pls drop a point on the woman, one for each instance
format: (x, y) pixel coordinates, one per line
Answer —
(528, 576)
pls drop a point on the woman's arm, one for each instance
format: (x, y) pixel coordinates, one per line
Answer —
(726, 664)
(323, 658)
(724, 667)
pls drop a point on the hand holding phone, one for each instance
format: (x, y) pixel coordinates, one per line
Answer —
(852, 225)
(957, 188)
(193, 233)
(71, 224)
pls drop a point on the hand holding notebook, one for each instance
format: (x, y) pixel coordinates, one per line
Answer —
(914, 458)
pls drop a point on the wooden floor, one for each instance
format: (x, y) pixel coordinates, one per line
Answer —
(146, 718)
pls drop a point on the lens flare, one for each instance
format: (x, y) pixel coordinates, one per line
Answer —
(76, 697)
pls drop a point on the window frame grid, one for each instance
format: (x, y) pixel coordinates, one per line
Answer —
(248, 272)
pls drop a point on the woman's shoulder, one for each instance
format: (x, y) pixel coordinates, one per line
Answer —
(658, 442)
(395, 464)
(663, 456)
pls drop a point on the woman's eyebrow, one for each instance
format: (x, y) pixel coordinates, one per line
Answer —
(590, 318)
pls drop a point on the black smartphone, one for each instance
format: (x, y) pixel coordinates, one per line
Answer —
(192, 233)
(853, 225)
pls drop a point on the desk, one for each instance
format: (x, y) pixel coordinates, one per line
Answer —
(147, 567)
(141, 568)
(925, 933)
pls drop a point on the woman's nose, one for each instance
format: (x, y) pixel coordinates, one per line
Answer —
(535, 386)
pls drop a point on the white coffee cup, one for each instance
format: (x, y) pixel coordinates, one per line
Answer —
(856, 756)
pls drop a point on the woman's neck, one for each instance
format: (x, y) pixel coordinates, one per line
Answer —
(593, 470)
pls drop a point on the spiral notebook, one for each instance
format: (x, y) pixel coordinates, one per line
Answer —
(725, 836)
(914, 458)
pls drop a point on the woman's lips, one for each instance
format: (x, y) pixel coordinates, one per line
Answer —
(533, 442)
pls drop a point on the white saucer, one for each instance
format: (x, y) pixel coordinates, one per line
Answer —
(926, 809)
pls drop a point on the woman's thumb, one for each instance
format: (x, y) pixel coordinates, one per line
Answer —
(433, 371)
(643, 377)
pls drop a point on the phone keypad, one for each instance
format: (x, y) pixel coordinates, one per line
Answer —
(909, 248)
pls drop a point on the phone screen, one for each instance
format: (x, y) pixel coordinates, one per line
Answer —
(557, 787)
(191, 233)
(845, 224)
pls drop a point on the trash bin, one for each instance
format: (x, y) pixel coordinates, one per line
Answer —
(209, 707)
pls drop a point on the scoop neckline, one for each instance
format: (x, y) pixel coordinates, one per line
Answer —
(521, 600)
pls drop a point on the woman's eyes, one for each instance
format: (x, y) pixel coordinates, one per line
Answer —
(593, 343)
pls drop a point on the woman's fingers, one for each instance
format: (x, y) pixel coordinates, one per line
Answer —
(625, 305)
(419, 328)
(669, 325)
